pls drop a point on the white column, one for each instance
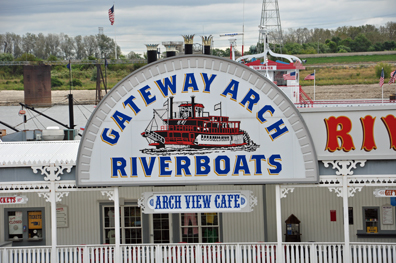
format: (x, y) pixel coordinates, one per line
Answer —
(117, 249)
(54, 256)
(279, 251)
(347, 249)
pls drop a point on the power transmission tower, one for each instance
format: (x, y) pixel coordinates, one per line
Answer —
(270, 19)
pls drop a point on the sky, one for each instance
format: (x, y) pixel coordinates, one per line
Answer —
(153, 21)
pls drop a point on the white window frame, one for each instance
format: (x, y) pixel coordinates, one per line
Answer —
(151, 218)
(123, 228)
(200, 227)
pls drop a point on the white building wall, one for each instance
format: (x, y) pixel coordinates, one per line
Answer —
(312, 205)
(84, 214)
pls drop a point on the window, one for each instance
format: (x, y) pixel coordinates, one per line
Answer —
(350, 215)
(130, 225)
(161, 228)
(371, 219)
(200, 227)
(25, 226)
(15, 225)
(279, 78)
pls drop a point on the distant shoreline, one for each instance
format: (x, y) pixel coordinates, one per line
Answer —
(333, 92)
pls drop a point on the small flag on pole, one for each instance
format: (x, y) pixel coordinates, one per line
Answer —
(69, 65)
(290, 76)
(381, 82)
(310, 76)
(393, 77)
(217, 106)
(111, 15)
(166, 103)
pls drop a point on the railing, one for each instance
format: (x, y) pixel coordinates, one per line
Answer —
(252, 252)
(333, 103)
(73, 61)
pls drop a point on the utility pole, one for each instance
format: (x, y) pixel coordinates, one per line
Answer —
(270, 19)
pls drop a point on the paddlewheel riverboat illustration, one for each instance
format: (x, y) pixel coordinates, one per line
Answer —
(192, 127)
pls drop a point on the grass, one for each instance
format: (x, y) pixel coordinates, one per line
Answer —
(344, 75)
(351, 59)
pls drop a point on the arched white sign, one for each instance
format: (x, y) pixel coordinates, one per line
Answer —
(195, 120)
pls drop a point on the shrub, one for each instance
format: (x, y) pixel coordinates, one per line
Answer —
(52, 58)
(56, 82)
(76, 82)
(94, 75)
(6, 57)
(387, 69)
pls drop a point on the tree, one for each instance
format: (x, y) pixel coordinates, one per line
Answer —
(6, 57)
(360, 43)
(17, 42)
(333, 46)
(336, 39)
(26, 57)
(218, 52)
(346, 42)
(52, 58)
(253, 49)
(133, 55)
(343, 49)
(105, 45)
(39, 48)
(67, 46)
(28, 42)
(52, 45)
(389, 45)
(391, 30)
(91, 45)
(80, 47)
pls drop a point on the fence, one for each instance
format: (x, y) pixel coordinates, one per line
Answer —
(257, 252)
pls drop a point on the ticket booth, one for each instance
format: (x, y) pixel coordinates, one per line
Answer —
(25, 226)
(293, 229)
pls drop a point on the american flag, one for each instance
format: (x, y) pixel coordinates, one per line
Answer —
(393, 77)
(381, 83)
(290, 76)
(310, 77)
(111, 15)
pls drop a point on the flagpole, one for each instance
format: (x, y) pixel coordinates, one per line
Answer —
(70, 75)
(382, 94)
(382, 86)
(314, 84)
(115, 34)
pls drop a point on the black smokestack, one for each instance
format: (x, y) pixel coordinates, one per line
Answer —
(171, 107)
(188, 44)
(170, 54)
(151, 52)
(193, 106)
(207, 43)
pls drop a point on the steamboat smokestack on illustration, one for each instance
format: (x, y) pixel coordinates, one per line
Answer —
(192, 127)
